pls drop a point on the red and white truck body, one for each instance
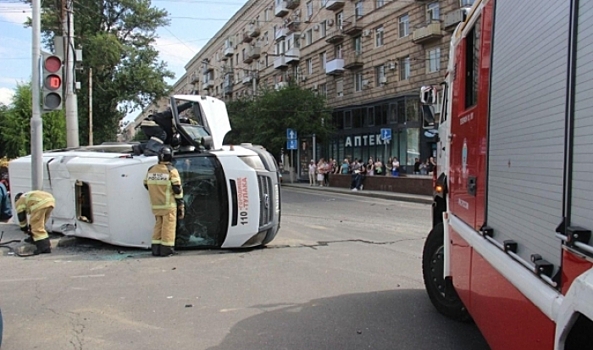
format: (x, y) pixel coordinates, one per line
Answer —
(513, 213)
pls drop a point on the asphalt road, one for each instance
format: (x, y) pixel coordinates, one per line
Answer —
(344, 273)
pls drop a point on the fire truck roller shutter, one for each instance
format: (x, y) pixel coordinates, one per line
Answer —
(581, 202)
(527, 125)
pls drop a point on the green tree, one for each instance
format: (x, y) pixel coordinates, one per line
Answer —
(264, 119)
(116, 37)
(15, 127)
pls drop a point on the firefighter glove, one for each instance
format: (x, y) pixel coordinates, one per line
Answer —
(181, 212)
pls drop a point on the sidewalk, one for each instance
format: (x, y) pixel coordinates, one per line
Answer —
(404, 197)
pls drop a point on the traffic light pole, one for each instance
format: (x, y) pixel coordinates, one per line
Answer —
(71, 98)
(36, 123)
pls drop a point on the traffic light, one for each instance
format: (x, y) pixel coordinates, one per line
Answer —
(52, 84)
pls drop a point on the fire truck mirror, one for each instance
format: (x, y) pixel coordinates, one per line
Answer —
(428, 117)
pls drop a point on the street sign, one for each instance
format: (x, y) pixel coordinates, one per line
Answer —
(291, 144)
(291, 134)
(385, 134)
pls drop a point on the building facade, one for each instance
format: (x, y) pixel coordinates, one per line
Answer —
(368, 57)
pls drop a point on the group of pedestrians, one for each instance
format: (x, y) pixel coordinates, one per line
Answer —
(319, 172)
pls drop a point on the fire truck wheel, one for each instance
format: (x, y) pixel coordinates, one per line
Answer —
(443, 297)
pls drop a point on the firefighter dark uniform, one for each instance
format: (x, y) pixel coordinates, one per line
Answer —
(159, 130)
(166, 197)
(38, 205)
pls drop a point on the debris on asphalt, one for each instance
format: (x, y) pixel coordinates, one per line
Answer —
(188, 305)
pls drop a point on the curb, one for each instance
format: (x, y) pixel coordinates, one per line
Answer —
(389, 196)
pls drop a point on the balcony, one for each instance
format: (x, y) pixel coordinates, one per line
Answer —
(353, 26)
(353, 60)
(280, 62)
(229, 51)
(247, 38)
(207, 68)
(293, 23)
(292, 4)
(247, 59)
(334, 5)
(281, 33)
(194, 79)
(335, 67)
(293, 56)
(281, 9)
(254, 30)
(227, 86)
(247, 79)
(207, 85)
(281, 85)
(453, 18)
(427, 33)
(336, 36)
(255, 52)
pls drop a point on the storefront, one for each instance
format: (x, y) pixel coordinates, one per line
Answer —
(358, 133)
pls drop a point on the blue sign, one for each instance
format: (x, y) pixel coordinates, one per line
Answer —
(385, 134)
(291, 134)
(291, 144)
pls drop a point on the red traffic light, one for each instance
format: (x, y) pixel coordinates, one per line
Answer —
(52, 82)
(52, 64)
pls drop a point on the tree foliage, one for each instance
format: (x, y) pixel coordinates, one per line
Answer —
(264, 119)
(15, 125)
(116, 37)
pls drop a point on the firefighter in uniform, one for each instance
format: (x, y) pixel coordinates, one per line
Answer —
(38, 205)
(166, 197)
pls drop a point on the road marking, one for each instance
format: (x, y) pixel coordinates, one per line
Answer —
(23, 279)
(87, 276)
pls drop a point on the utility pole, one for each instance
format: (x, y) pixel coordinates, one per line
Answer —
(90, 106)
(71, 98)
(36, 122)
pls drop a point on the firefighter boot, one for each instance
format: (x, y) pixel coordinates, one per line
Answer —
(43, 246)
(167, 251)
(156, 250)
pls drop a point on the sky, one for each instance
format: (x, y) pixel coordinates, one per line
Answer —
(193, 23)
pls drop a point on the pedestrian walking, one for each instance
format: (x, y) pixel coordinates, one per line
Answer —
(166, 197)
(38, 205)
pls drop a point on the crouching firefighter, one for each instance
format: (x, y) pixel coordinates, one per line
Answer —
(166, 197)
(38, 205)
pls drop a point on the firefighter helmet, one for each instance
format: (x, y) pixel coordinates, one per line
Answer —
(166, 154)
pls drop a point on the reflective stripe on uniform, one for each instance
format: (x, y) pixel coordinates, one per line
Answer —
(156, 241)
(40, 203)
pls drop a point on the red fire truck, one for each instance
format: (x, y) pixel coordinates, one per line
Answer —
(511, 242)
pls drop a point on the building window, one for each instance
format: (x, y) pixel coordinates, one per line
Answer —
(348, 119)
(266, 15)
(433, 60)
(266, 39)
(358, 9)
(323, 90)
(404, 26)
(339, 87)
(379, 3)
(309, 37)
(243, 54)
(237, 59)
(338, 51)
(309, 66)
(357, 44)
(267, 61)
(433, 12)
(339, 19)
(309, 10)
(379, 75)
(379, 36)
(323, 29)
(358, 81)
(322, 60)
(404, 68)
(465, 3)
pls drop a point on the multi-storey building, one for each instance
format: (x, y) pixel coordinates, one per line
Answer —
(369, 58)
